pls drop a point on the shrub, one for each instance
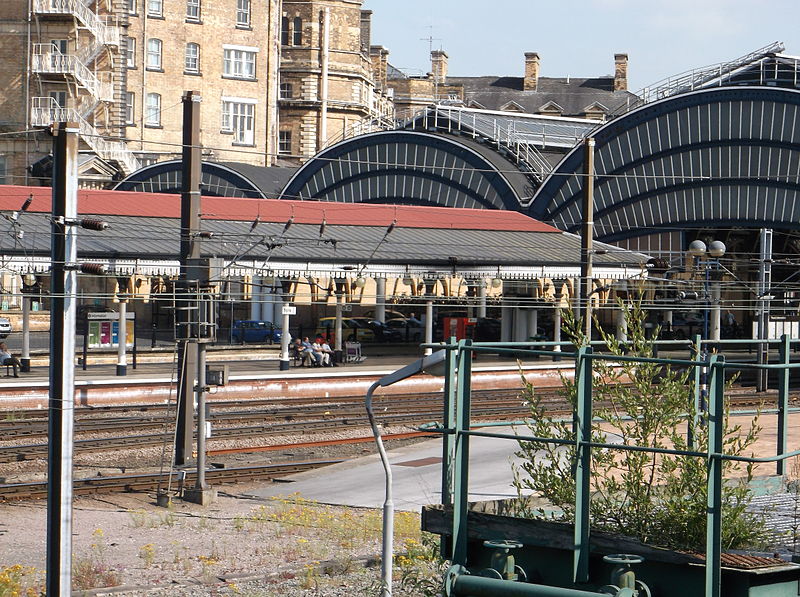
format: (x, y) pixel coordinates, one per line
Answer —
(659, 499)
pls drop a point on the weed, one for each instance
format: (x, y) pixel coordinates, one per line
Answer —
(147, 553)
(92, 571)
(19, 581)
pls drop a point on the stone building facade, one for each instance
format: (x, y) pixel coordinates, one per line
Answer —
(592, 97)
(119, 69)
(327, 88)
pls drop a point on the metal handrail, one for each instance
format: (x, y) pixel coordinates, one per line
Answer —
(46, 111)
(456, 431)
(102, 31)
(46, 59)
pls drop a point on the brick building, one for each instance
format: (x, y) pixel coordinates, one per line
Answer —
(592, 97)
(327, 88)
(119, 68)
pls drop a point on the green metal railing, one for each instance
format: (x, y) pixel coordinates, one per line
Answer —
(457, 433)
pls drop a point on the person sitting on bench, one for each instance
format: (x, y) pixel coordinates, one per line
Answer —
(6, 358)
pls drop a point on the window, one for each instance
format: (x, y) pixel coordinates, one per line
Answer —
(285, 31)
(239, 62)
(242, 13)
(3, 170)
(153, 110)
(238, 118)
(130, 7)
(192, 60)
(286, 91)
(285, 142)
(192, 10)
(59, 49)
(155, 8)
(60, 98)
(129, 103)
(297, 40)
(130, 52)
(154, 54)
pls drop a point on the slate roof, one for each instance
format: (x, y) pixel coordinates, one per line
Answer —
(573, 94)
(145, 227)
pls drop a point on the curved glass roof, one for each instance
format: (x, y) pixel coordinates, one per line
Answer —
(726, 155)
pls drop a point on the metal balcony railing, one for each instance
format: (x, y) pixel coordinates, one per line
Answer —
(48, 60)
(104, 32)
(45, 111)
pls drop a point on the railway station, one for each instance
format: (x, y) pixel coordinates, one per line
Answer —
(486, 237)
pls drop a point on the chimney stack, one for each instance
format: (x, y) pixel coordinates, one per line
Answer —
(620, 72)
(531, 80)
(366, 29)
(439, 66)
(379, 57)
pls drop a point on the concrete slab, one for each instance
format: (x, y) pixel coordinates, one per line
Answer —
(416, 473)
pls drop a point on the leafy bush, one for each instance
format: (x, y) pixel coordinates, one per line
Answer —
(657, 498)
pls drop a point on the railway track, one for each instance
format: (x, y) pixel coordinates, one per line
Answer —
(150, 481)
(289, 418)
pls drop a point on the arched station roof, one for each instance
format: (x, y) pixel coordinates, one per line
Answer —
(724, 156)
(217, 180)
(411, 168)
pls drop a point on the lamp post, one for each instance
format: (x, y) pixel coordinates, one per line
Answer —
(418, 366)
(715, 250)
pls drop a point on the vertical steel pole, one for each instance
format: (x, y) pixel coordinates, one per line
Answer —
(783, 401)
(449, 421)
(461, 454)
(63, 283)
(200, 394)
(716, 424)
(587, 235)
(583, 463)
(764, 283)
(448, 440)
(187, 309)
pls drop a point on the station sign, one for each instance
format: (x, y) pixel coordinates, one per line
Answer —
(103, 330)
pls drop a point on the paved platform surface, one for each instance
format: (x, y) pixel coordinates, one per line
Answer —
(416, 475)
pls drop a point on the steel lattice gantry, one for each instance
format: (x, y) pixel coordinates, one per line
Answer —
(411, 168)
(723, 156)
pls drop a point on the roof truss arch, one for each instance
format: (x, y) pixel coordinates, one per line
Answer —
(410, 167)
(718, 155)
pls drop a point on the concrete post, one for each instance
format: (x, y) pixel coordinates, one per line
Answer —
(122, 360)
(428, 325)
(621, 326)
(284, 360)
(255, 298)
(380, 299)
(557, 326)
(506, 320)
(25, 358)
(520, 325)
(337, 330)
(714, 332)
(482, 298)
(533, 322)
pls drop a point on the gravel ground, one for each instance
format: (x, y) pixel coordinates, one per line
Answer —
(236, 546)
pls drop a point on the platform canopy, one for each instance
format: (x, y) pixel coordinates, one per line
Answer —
(307, 238)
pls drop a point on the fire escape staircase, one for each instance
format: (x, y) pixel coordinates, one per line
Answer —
(48, 60)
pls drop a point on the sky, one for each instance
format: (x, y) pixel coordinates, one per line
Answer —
(580, 37)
